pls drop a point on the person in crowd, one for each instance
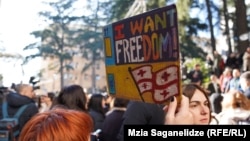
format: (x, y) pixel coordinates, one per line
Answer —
(246, 60)
(96, 109)
(234, 82)
(3, 92)
(232, 61)
(235, 99)
(196, 75)
(141, 113)
(113, 121)
(235, 109)
(45, 101)
(245, 83)
(224, 78)
(194, 107)
(218, 64)
(213, 86)
(58, 125)
(108, 102)
(22, 95)
(71, 97)
(215, 96)
(209, 63)
(239, 57)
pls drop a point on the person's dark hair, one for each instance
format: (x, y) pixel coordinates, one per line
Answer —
(51, 95)
(189, 89)
(95, 103)
(72, 97)
(120, 102)
(197, 65)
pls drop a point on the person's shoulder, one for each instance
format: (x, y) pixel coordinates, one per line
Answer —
(32, 104)
(138, 104)
(32, 108)
(94, 113)
(135, 106)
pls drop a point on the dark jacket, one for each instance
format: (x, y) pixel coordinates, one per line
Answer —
(195, 76)
(212, 89)
(15, 101)
(98, 118)
(140, 113)
(112, 125)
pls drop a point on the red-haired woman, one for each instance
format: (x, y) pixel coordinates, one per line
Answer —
(58, 125)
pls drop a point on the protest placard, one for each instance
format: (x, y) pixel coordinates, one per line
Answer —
(142, 56)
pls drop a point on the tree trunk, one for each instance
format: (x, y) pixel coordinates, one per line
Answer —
(93, 73)
(61, 73)
(211, 25)
(241, 25)
(227, 31)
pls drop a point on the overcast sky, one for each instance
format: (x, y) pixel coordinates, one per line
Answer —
(18, 19)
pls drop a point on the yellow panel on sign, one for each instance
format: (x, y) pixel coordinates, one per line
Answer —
(107, 43)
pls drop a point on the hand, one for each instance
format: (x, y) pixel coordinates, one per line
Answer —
(178, 116)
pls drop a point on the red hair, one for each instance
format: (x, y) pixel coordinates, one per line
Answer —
(235, 99)
(58, 125)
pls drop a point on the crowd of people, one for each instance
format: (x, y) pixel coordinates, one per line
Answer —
(73, 114)
(70, 110)
(228, 88)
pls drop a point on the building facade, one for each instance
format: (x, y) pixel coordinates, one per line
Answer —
(92, 79)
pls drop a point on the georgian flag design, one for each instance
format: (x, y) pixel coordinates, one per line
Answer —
(142, 73)
(162, 84)
(145, 87)
(166, 75)
(143, 78)
(160, 95)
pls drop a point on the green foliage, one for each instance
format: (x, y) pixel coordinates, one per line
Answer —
(57, 39)
(193, 24)
(188, 28)
(190, 49)
(90, 38)
(69, 67)
(116, 10)
(153, 4)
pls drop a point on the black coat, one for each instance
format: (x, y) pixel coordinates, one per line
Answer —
(195, 76)
(212, 89)
(98, 118)
(112, 125)
(140, 113)
(15, 101)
